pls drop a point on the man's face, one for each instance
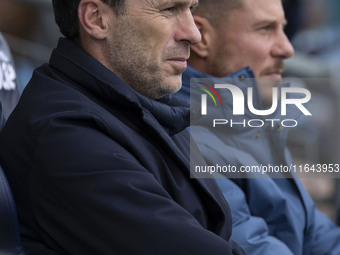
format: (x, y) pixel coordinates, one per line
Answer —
(150, 44)
(253, 36)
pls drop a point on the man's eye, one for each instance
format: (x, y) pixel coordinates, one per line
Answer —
(170, 9)
(265, 28)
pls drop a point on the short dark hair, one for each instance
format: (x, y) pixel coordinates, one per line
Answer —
(216, 10)
(66, 15)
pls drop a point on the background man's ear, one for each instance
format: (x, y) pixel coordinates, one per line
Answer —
(206, 30)
(92, 15)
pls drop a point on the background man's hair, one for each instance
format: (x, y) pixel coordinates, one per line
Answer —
(66, 14)
(216, 10)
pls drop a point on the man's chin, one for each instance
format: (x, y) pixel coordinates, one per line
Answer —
(173, 88)
(168, 88)
(270, 80)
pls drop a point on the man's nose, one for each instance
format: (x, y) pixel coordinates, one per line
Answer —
(282, 48)
(188, 30)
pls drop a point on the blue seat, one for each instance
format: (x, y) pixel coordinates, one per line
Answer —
(10, 242)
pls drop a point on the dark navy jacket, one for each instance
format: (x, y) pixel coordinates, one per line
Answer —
(270, 215)
(97, 168)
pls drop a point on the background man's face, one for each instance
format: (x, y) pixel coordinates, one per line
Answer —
(149, 45)
(253, 36)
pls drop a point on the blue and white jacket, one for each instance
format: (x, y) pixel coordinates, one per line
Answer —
(269, 215)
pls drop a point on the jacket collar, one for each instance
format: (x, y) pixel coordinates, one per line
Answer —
(241, 77)
(90, 75)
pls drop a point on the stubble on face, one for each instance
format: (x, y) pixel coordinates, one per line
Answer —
(135, 62)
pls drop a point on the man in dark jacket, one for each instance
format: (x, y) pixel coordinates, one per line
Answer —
(270, 215)
(99, 155)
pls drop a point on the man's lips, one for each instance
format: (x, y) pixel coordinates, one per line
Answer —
(179, 62)
(273, 73)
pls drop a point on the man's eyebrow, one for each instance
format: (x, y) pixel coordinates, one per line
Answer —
(270, 22)
(264, 22)
(186, 4)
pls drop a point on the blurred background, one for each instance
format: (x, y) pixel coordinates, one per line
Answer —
(313, 28)
(30, 31)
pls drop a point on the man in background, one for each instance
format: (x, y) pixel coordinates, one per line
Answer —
(243, 40)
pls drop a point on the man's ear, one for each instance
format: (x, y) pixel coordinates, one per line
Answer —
(207, 31)
(93, 17)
